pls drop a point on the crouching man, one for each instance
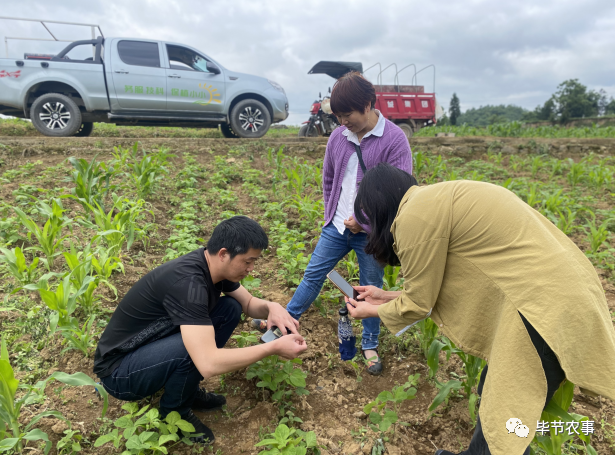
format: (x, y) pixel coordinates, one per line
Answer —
(170, 327)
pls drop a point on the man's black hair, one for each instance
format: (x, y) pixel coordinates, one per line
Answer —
(237, 234)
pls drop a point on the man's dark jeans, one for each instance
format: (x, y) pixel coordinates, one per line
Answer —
(553, 372)
(166, 363)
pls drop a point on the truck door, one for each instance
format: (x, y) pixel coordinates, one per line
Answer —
(139, 80)
(192, 82)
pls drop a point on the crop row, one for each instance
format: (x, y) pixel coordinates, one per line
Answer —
(96, 226)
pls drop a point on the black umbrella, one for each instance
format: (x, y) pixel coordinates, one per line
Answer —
(336, 69)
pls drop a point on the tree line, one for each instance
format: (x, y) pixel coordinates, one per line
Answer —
(571, 100)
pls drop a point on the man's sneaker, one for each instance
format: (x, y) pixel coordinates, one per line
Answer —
(259, 324)
(206, 435)
(207, 401)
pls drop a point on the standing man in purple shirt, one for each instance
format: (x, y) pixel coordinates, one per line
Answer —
(365, 139)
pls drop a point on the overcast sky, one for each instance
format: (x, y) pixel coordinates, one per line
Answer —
(488, 52)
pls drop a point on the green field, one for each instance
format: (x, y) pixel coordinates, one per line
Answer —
(18, 127)
(77, 231)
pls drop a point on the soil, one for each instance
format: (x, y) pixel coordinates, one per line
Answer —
(333, 409)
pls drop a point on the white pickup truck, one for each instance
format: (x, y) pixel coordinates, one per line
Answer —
(130, 81)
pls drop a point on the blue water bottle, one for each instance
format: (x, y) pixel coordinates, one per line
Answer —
(346, 337)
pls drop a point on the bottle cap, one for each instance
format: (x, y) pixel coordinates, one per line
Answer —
(343, 311)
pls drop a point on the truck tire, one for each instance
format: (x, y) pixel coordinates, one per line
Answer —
(55, 115)
(303, 132)
(227, 131)
(250, 119)
(407, 129)
(85, 129)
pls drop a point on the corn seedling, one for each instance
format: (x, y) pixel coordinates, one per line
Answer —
(565, 221)
(80, 265)
(426, 334)
(63, 301)
(148, 170)
(309, 209)
(104, 263)
(537, 165)
(391, 275)
(16, 263)
(275, 162)
(597, 235)
(556, 167)
(50, 236)
(121, 224)
(12, 435)
(352, 266)
(552, 436)
(576, 172)
(91, 180)
(79, 338)
(473, 367)
(420, 163)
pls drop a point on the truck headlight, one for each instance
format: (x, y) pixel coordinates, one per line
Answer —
(276, 86)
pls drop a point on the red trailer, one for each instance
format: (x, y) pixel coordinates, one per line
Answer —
(408, 106)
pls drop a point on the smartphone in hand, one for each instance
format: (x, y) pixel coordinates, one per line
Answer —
(343, 285)
(271, 335)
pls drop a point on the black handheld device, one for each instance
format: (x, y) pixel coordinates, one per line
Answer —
(343, 285)
(271, 335)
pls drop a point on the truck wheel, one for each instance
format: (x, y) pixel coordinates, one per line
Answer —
(55, 115)
(85, 129)
(227, 131)
(250, 119)
(407, 129)
(303, 132)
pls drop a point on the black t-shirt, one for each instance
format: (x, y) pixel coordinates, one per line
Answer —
(179, 292)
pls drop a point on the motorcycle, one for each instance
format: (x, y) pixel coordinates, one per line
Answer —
(322, 122)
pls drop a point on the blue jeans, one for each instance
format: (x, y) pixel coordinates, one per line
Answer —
(166, 363)
(331, 248)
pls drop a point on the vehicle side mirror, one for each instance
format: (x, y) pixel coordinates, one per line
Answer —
(213, 68)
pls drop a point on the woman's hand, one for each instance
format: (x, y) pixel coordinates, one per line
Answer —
(373, 295)
(352, 225)
(361, 309)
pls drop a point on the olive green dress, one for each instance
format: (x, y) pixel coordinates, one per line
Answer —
(475, 256)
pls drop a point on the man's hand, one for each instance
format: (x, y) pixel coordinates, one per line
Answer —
(372, 295)
(352, 225)
(361, 309)
(289, 346)
(279, 317)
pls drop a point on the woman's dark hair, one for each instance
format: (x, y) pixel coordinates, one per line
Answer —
(380, 193)
(237, 234)
(352, 92)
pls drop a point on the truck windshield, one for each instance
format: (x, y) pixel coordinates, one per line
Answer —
(181, 58)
